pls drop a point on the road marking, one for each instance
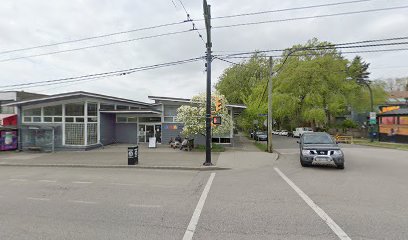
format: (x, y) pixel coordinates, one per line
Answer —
(144, 206)
(336, 229)
(79, 182)
(124, 184)
(84, 202)
(47, 181)
(38, 199)
(18, 179)
(188, 235)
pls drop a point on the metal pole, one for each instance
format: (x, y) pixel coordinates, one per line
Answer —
(207, 16)
(270, 149)
(372, 110)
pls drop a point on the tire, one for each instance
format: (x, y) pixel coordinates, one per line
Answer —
(303, 163)
(340, 166)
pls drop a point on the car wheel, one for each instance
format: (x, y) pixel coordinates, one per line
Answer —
(340, 166)
(304, 164)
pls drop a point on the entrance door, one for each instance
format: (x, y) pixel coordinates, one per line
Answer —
(142, 133)
(149, 132)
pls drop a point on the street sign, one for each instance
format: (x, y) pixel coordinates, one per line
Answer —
(373, 121)
(373, 115)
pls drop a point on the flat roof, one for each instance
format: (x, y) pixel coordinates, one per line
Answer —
(75, 94)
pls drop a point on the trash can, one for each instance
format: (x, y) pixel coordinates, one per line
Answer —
(133, 155)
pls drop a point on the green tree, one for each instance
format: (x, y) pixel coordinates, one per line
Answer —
(193, 116)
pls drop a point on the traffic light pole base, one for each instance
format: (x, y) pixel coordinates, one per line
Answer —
(207, 164)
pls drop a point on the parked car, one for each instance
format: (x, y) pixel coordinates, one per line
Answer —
(261, 136)
(276, 132)
(283, 133)
(320, 148)
(290, 134)
(299, 131)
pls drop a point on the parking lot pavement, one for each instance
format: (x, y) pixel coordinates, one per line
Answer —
(82, 203)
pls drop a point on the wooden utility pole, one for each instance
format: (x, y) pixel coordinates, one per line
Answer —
(207, 17)
(270, 121)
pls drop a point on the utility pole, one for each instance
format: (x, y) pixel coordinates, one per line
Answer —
(207, 17)
(270, 123)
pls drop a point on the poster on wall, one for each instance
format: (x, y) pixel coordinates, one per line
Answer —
(8, 140)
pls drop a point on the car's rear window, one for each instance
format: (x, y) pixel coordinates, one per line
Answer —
(317, 139)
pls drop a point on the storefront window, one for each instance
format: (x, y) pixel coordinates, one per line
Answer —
(149, 119)
(92, 109)
(74, 109)
(53, 110)
(387, 120)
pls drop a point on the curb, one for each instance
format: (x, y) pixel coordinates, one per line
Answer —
(210, 168)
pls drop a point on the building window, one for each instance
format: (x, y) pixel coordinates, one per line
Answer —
(92, 119)
(92, 133)
(403, 120)
(32, 115)
(74, 134)
(121, 119)
(92, 109)
(149, 119)
(74, 109)
(107, 107)
(47, 119)
(53, 110)
(27, 119)
(132, 119)
(122, 107)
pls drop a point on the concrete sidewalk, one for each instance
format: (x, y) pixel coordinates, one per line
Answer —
(162, 157)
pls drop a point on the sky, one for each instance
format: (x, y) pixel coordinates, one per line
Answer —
(27, 23)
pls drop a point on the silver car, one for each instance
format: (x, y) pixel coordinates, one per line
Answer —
(319, 148)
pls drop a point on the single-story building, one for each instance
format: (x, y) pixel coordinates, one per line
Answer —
(393, 126)
(84, 120)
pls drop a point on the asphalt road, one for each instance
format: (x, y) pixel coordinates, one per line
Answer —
(366, 200)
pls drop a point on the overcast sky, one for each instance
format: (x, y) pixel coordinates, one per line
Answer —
(31, 23)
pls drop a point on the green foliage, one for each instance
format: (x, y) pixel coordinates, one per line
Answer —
(193, 116)
(312, 86)
(348, 123)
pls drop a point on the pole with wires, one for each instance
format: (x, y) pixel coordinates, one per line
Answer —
(207, 17)
(270, 123)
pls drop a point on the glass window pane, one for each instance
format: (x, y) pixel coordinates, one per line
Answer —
(92, 119)
(121, 119)
(170, 110)
(92, 133)
(57, 119)
(32, 112)
(107, 107)
(92, 109)
(36, 119)
(122, 107)
(47, 119)
(79, 119)
(134, 108)
(74, 109)
(53, 110)
(27, 119)
(74, 134)
(69, 119)
(150, 119)
(132, 119)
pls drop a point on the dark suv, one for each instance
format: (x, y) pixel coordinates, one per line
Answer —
(319, 148)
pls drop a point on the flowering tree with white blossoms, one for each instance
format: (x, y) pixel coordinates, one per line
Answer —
(193, 116)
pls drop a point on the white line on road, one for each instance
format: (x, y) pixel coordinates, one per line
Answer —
(47, 181)
(38, 199)
(18, 179)
(80, 182)
(336, 229)
(188, 235)
(124, 184)
(85, 202)
(144, 206)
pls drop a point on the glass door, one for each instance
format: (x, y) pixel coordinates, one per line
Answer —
(142, 133)
(149, 132)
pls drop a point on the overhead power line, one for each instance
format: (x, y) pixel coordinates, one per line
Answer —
(289, 9)
(192, 21)
(100, 75)
(95, 46)
(310, 17)
(94, 37)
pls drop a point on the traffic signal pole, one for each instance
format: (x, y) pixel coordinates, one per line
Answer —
(207, 17)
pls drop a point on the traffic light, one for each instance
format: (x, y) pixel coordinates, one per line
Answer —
(217, 104)
(216, 120)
